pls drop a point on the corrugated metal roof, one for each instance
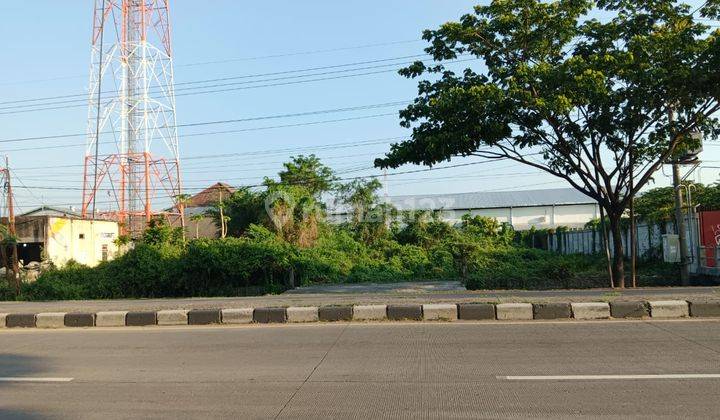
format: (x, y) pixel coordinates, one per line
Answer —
(52, 212)
(489, 200)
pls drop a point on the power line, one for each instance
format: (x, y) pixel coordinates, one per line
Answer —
(263, 57)
(210, 133)
(197, 90)
(83, 96)
(40, 187)
(230, 121)
(321, 147)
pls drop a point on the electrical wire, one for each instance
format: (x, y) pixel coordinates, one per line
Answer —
(229, 121)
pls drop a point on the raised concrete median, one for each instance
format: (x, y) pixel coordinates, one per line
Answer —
(237, 316)
(629, 309)
(50, 320)
(551, 310)
(335, 313)
(80, 319)
(476, 311)
(172, 317)
(705, 308)
(303, 314)
(480, 311)
(110, 319)
(404, 312)
(591, 310)
(514, 311)
(440, 312)
(370, 312)
(669, 309)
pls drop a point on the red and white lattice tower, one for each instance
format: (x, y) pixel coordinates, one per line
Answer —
(132, 159)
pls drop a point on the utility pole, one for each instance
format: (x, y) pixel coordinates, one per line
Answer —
(681, 229)
(11, 230)
(679, 218)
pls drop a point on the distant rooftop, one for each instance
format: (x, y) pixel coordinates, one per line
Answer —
(211, 195)
(52, 212)
(491, 199)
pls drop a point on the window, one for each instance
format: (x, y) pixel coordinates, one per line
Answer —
(81, 236)
(104, 252)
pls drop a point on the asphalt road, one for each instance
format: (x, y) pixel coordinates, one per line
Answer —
(406, 292)
(384, 370)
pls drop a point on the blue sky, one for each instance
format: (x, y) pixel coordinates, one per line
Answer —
(46, 52)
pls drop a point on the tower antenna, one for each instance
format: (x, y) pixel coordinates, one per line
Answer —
(132, 143)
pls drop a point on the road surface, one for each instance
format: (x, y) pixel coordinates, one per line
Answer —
(351, 370)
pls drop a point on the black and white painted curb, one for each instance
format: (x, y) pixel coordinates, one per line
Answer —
(664, 309)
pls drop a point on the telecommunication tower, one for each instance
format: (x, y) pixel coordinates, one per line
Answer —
(132, 159)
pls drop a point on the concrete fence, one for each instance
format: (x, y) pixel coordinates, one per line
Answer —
(405, 312)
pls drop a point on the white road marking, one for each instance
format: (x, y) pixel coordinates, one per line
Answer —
(27, 379)
(610, 377)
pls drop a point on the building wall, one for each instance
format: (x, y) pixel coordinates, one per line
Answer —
(204, 228)
(86, 241)
(521, 218)
(30, 229)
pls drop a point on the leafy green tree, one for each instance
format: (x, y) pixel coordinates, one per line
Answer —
(309, 172)
(595, 103)
(371, 220)
(242, 209)
(197, 218)
(159, 232)
(360, 195)
(292, 213)
(658, 204)
(425, 228)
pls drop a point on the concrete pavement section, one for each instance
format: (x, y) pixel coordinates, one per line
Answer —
(368, 295)
(388, 370)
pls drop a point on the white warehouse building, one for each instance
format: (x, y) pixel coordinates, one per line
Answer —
(541, 209)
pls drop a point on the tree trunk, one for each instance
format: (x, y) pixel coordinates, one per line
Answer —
(618, 261)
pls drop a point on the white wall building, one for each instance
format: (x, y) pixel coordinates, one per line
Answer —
(61, 235)
(522, 209)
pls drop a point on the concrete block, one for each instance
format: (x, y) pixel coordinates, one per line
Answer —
(709, 308)
(2, 320)
(110, 319)
(172, 317)
(514, 311)
(335, 313)
(591, 310)
(50, 320)
(20, 320)
(369, 312)
(269, 315)
(440, 311)
(551, 310)
(302, 314)
(669, 309)
(629, 309)
(236, 316)
(80, 319)
(203, 316)
(140, 319)
(476, 311)
(400, 312)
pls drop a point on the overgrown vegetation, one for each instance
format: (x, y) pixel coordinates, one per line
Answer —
(279, 237)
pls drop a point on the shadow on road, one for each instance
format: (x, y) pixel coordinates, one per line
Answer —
(13, 366)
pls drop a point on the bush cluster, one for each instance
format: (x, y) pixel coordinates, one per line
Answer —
(479, 252)
(280, 239)
(223, 267)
